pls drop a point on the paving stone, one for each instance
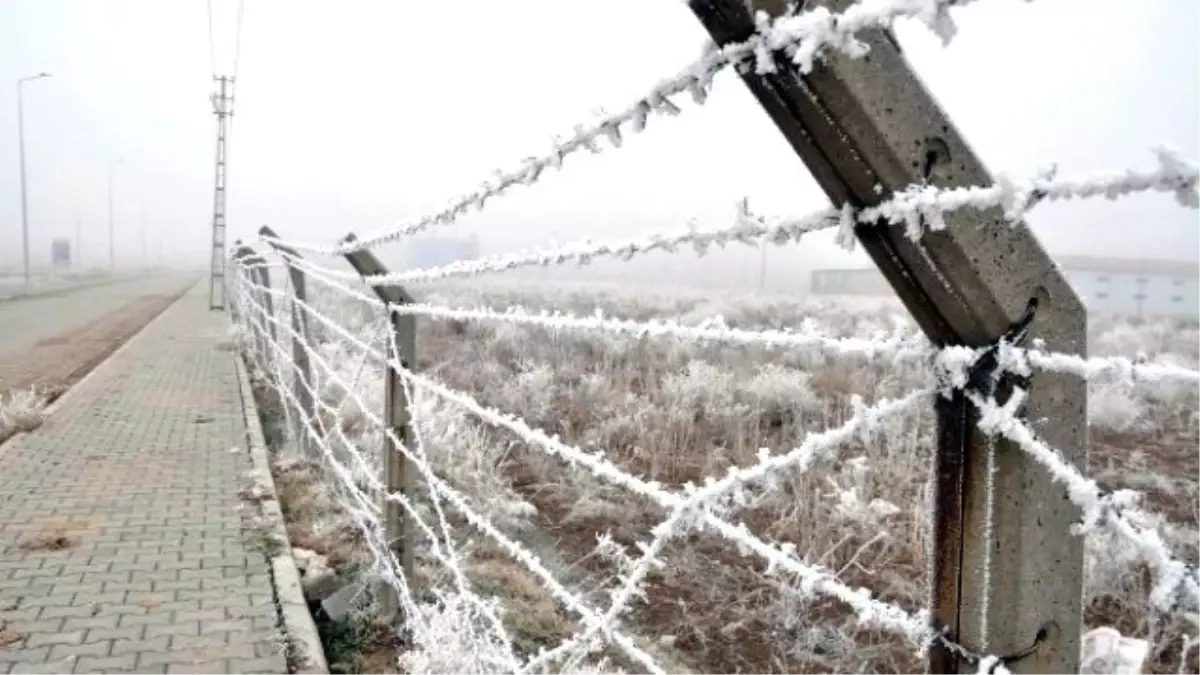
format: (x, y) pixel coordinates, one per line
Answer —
(158, 575)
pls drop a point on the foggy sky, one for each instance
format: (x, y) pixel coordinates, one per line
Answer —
(352, 115)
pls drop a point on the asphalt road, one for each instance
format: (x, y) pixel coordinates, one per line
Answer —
(25, 321)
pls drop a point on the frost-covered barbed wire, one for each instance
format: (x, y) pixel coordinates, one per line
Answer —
(367, 515)
(814, 579)
(438, 540)
(700, 507)
(869, 610)
(358, 506)
(801, 38)
(716, 494)
(898, 346)
(818, 445)
(919, 209)
(443, 491)
(1119, 511)
(746, 229)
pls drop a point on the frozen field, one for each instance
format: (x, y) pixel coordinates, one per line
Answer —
(675, 411)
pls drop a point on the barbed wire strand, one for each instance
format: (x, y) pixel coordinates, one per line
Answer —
(1116, 510)
(897, 346)
(801, 38)
(462, 505)
(869, 610)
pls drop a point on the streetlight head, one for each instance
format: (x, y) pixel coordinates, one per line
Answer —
(43, 74)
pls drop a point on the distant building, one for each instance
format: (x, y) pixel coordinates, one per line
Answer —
(436, 251)
(1134, 287)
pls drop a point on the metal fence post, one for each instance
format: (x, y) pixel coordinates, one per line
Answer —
(399, 473)
(1008, 573)
(304, 378)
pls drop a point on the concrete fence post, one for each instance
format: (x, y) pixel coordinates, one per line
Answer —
(399, 473)
(255, 267)
(304, 382)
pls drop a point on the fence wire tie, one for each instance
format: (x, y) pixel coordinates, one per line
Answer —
(986, 376)
(993, 663)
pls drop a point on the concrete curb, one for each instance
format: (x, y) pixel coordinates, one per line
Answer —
(295, 618)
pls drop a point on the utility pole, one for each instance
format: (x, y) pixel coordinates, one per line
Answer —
(21, 149)
(222, 102)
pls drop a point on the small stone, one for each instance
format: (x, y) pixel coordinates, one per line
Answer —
(304, 557)
(339, 605)
(318, 587)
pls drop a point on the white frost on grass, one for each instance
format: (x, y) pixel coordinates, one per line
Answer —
(20, 411)
(458, 640)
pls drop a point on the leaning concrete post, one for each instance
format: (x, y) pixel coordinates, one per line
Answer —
(399, 473)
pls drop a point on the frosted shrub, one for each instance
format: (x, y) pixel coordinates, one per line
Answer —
(1123, 339)
(851, 493)
(702, 387)
(1115, 407)
(509, 339)
(452, 637)
(534, 388)
(464, 453)
(776, 389)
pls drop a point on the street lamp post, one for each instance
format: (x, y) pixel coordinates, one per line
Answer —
(112, 257)
(21, 149)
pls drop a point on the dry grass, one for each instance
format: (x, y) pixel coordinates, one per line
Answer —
(679, 412)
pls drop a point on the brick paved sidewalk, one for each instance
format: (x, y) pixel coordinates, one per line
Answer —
(122, 547)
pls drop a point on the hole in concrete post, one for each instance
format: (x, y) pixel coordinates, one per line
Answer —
(1041, 295)
(935, 153)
